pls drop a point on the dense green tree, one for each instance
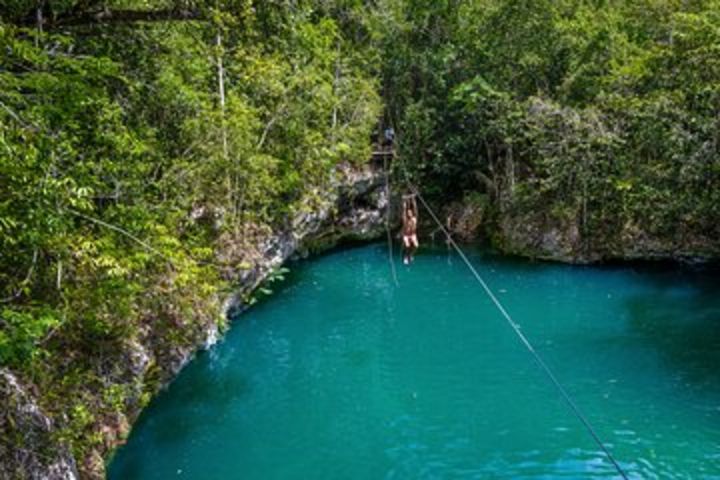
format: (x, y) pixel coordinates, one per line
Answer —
(602, 114)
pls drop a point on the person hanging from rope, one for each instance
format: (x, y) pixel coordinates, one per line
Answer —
(409, 229)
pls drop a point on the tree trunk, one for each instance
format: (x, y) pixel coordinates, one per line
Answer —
(231, 180)
(221, 93)
(39, 22)
(336, 82)
(510, 170)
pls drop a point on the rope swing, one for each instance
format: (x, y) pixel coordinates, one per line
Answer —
(388, 197)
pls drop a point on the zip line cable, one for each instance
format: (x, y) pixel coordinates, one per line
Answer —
(516, 328)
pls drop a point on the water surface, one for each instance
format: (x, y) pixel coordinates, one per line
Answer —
(343, 375)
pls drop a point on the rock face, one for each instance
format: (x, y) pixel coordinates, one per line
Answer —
(465, 219)
(354, 207)
(547, 240)
(561, 240)
(41, 458)
(543, 236)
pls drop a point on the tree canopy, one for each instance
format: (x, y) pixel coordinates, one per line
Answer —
(601, 113)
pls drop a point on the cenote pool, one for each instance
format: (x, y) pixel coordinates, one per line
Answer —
(343, 375)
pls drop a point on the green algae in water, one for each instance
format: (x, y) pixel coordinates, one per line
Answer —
(342, 375)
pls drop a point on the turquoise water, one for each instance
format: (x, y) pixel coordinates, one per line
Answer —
(343, 375)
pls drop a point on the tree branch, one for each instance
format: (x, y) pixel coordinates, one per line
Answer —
(17, 118)
(269, 125)
(25, 281)
(137, 240)
(130, 16)
(110, 16)
(122, 231)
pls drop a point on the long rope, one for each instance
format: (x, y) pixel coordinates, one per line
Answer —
(523, 338)
(391, 258)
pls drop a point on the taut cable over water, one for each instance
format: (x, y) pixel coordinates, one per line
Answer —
(516, 328)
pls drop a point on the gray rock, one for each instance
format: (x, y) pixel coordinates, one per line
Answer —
(26, 448)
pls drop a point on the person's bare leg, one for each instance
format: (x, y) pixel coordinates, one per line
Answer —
(406, 250)
(412, 247)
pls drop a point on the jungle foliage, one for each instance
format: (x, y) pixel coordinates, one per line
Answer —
(135, 138)
(604, 114)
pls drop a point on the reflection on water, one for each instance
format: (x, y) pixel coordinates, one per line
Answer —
(344, 375)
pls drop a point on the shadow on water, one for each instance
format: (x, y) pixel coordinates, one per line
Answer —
(680, 318)
(132, 467)
(204, 396)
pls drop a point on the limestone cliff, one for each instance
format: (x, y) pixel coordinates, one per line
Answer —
(542, 235)
(353, 207)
